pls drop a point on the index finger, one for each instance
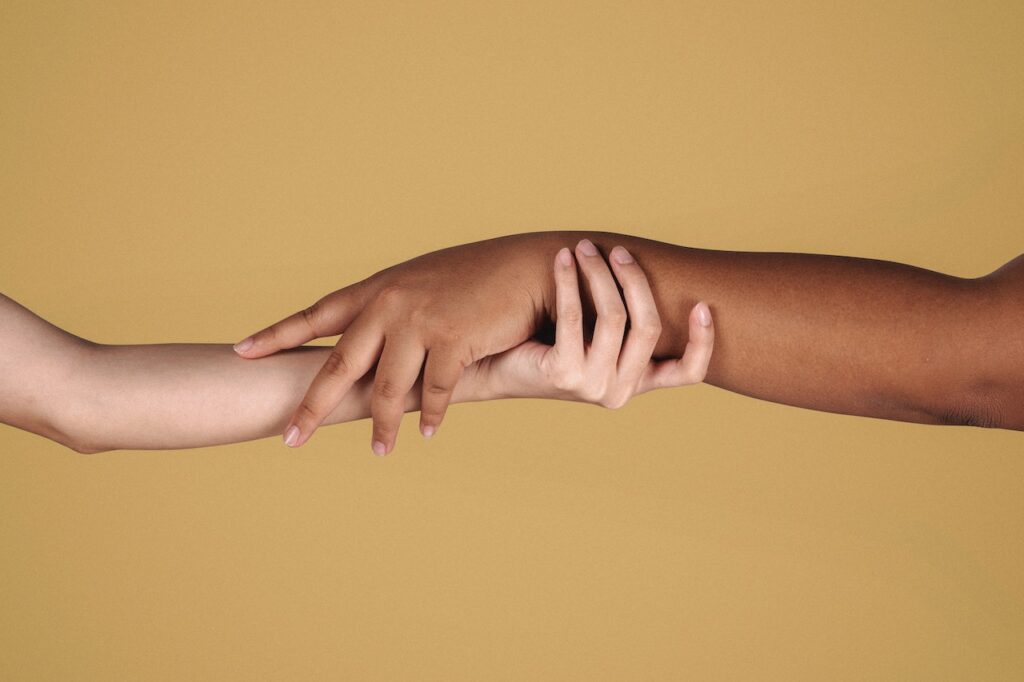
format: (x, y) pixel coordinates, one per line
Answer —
(351, 358)
(645, 327)
(328, 316)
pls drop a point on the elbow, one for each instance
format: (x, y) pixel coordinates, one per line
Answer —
(74, 436)
(989, 391)
(985, 408)
(67, 432)
(86, 449)
(965, 415)
(79, 443)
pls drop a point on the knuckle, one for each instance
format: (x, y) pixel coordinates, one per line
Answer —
(567, 378)
(306, 413)
(392, 294)
(594, 392)
(443, 334)
(454, 354)
(614, 401)
(268, 335)
(438, 389)
(450, 335)
(416, 318)
(336, 366)
(649, 331)
(694, 375)
(615, 315)
(312, 315)
(570, 314)
(386, 389)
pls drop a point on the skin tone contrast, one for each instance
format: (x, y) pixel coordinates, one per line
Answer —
(93, 397)
(840, 334)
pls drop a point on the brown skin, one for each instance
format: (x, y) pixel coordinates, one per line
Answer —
(851, 335)
(95, 397)
(834, 333)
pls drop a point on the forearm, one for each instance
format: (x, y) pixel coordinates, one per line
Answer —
(840, 334)
(174, 396)
(96, 397)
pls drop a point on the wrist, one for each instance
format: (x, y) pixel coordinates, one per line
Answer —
(538, 251)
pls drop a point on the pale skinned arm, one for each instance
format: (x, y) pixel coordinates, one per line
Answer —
(92, 397)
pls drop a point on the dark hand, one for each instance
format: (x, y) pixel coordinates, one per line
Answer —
(439, 312)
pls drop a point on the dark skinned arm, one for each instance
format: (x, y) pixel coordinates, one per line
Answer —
(840, 334)
(848, 335)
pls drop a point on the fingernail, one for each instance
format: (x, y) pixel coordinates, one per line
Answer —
(703, 314)
(621, 256)
(243, 345)
(291, 436)
(587, 247)
(379, 448)
(428, 431)
(564, 258)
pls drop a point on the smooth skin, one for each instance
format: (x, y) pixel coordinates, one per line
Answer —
(840, 334)
(93, 398)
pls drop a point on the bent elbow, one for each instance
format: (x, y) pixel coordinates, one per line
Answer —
(983, 408)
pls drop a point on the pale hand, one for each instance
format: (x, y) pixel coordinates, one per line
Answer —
(608, 371)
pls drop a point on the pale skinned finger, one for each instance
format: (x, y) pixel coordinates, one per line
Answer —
(645, 323)
(352, 357)
(611, 313)
(692, 367)
(397, 371)
(441, 373)
(569, 325)
(328, 316)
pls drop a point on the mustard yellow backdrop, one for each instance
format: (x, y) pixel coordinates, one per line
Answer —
(190, 171)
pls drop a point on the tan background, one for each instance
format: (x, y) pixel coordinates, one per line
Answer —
(182, 172)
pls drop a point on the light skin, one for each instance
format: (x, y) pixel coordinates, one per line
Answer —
(849, 335)
(92, 397)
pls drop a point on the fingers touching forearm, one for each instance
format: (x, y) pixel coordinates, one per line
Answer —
(181, 395)
(851, 335)
(173, 396)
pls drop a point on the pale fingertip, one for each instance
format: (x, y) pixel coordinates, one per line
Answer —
(621, 256)
(703, 314)
(428, 431)
(564, 258)
(379, 448)
(291, 436)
